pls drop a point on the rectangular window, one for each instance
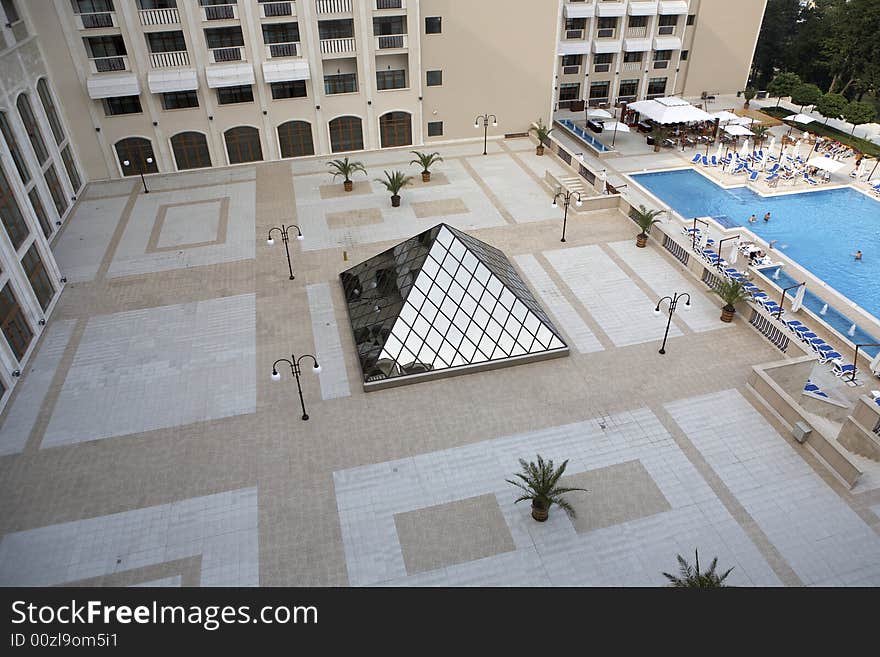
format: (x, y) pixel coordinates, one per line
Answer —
(391, 79)
(338, 29)
(166, 41)
(10, 10)
(55, 190)
(26, 113)
(662, 55)
(632, 57)
(39, 279)
(180, 100)
(281, 33)
(569, 91)
(13, 323)
(433, 25)
(572, 60)
(435, 128)
(434, 78)
(684, 55)
(344, 83)
(105, 46)
(666, 21)
(224, 37)
(389, 25)
(51, 112)
(12, 145)
(607, 23)
(70, 168)
(10, 213)
(40, 211)
(122, 105)
(291, 89)
(656, 86)
(231, 95)
(603, 58)
(599, 90)
(575, 24)
(628, 88)
(691, 18)
(638, 21)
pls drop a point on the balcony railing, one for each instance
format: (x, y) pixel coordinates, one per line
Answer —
(109, 64)
(220, 12)
(666, 29)
(274, 9)
(336, 46)
(333, 6)
(571, 70)
(601, 68)
(289, 49)
(574, 34)
(632, 66)
(661, 63)
(386, 42)
(637, 32)
(96, 20)
(390, 4)
(228, 54)
(606, 33)
(169, 59)
(159, 16)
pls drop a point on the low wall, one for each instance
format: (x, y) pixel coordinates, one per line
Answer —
(857, 434)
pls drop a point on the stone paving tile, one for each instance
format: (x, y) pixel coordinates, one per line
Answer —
(86, 236)
(328, 346)
(525, 200)
(161, 583)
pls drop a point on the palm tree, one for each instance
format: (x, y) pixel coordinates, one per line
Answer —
(346, 169)
(660, 133)
(394, 182)
(645, 218)
(538, 483)
(760, 133)
(542, 132)
(748, 94)
(691, 577)
(731, 292)
(426, 160)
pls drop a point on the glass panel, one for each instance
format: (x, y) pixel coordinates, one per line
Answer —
(49, 108)
(39, 279)
(40, 211)
(13, 323)
(12, 145)
(10, 213)
(33, 131)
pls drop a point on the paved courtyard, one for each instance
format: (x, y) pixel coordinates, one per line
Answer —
(147, 445)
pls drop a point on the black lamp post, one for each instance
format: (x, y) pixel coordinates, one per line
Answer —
(720, 242)
(782, 299)
(856, 357)
(566, 200)
(285, 238)
(694, 233)
(485, 118)
(141, 167)
(673, 302)
(296, 371)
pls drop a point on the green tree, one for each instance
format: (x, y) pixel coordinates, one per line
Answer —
(778, 33)
(858, 113)
(831, 106)
(538, 483)
(783, 85)
(806, 94)
(748, 94)
(691, 577)
(850, 43)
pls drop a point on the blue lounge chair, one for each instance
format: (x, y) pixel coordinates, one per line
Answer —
(810, 180)
(753, 176)
(814, 389)
(842, 369)
(794, 325)
(705, 161)
(696, 159)
(826, 356)
(807, 336)
(713, 161)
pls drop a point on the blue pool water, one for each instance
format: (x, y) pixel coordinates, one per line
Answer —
(583, 135)
(818, 229)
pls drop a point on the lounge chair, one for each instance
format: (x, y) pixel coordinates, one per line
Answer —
(696, 159)
(814, 389)
(794, 325)
(753, 176)
(806, 336)
(827, 356)
(812, 181)
(842, 369)
(705, 161)
(713, 161)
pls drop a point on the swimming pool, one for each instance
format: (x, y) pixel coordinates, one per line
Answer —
(819, 230)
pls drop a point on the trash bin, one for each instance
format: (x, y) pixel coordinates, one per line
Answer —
(651, 141)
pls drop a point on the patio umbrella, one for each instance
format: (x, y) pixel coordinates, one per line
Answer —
(744, 150)
(724, 116)
(596, 113)
(826, 164)
(737, 130)
(719, 149)
(617, 126)
(860, 170)
(734, 253)
(670, 110)
(800, 118)
(772, 144)
(798, 298)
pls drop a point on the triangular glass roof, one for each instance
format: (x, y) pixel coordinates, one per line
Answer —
(442, 300)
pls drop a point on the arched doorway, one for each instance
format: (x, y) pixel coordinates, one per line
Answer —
(295, 138)
(395, 129)
(190, 150)
(136, 151)
(346, 134)
(243, 144)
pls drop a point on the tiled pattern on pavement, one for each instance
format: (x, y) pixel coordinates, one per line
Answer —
(160, 367)
(328, 346)
(165, 582)
(822, 538)
(522, 197)
(87, 234)
(222, 528)
(633, 552)
(616, 302)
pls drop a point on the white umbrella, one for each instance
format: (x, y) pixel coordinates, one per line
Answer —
(597, 113)
(615, 126)
(737, 130)
(720, 148)
(743, 120)
(860, 170)
(772, 144)
(670, 110)
(798, 298)
(724, 116)
(744, 150)
(826, 163)
(734, 253)
(800, 118)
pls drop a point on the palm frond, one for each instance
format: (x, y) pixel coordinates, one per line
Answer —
(538, 482)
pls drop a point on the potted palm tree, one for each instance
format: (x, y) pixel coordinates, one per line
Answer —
(426, 160)
(660, 133)
(691, 577)
(731, 292)
(748, 94)
(760, 133)
(346, 169)
(394, 182)
(538, 483)
(541, 132)
(645, 218)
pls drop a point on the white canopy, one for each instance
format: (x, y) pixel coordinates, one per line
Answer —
(595, 112)
(800, 118)
(737, 130)
(670, 110)
(170, 80)
(108, 85)
(612, 126)
(285, 70)
(825, 163)
(724, 116)
(229, 75)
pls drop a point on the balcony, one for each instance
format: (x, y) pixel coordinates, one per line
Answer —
(390, 41)
(172, 59)
(580, 9)
(277, 9)
(96, 20)
(379, 5)
(111, 64)
(333, 6)
(278, 50)
(150, 17)
(632, 66)
(219, 12)
(637, 32)
(337, 46)
(228, 54)
(574, 34)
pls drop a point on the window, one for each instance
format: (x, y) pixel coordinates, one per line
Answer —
(166, 41)
(13, 323)
(157, 4)
(344, 83)
(395, 129)
(435, 128)
(434, 78)
(10, 213)
(607, 23)
(338, 29)
(346, 134)
(70, 168)
(691, 18)
(39, 279)
(662, 55)
(40, 211)
(243, 144)
(668, 20)
(51, 112)
(30, 126)
(433, 25)
(599, 90)
(10, 10)
(575, 24)
(391, 79)
(569, 91)
(190, 150)
(106, 52)
(224, 37)
(55, 190)
(281, 33)
(239, 94)
(122, 105)
(180, 100)
(291, 89)
(632, 57)
(136, 151)
(638, 21)
(684, 55)
(12, 145)
(603, 58)
(656, 86)
(389, 25)
(295, 138)
(572, 60)
(628, 88)
(93, 6)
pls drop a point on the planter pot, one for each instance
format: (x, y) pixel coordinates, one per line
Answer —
(539, 150)
(348, 185)
(641, 240)
(395, 201)
(426, 176)
(539, 513)
(727, 314)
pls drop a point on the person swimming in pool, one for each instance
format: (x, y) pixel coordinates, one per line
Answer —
(752, 219)
(857, 256)
(767, 217)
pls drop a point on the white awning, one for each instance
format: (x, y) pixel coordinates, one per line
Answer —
(175, 79)
(667, 43)
(108, 85)
(573, 48)
(636, 45)
(668, 7)
(604, 9)
(602, 46)
(286, 70)
(579, 10)
(229, 75)
(670, 110)
(737, 130)
(643, 8)
(826, 163)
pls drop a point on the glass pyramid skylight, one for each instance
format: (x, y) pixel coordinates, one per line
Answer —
(442, 301)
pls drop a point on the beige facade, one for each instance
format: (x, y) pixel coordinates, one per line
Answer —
(621, 51)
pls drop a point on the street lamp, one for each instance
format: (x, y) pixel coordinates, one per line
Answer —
(485, 118)
(566, 200)
(284, 238)
(673, 302)
(141, 167)
(856, 357)
(296, 371)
